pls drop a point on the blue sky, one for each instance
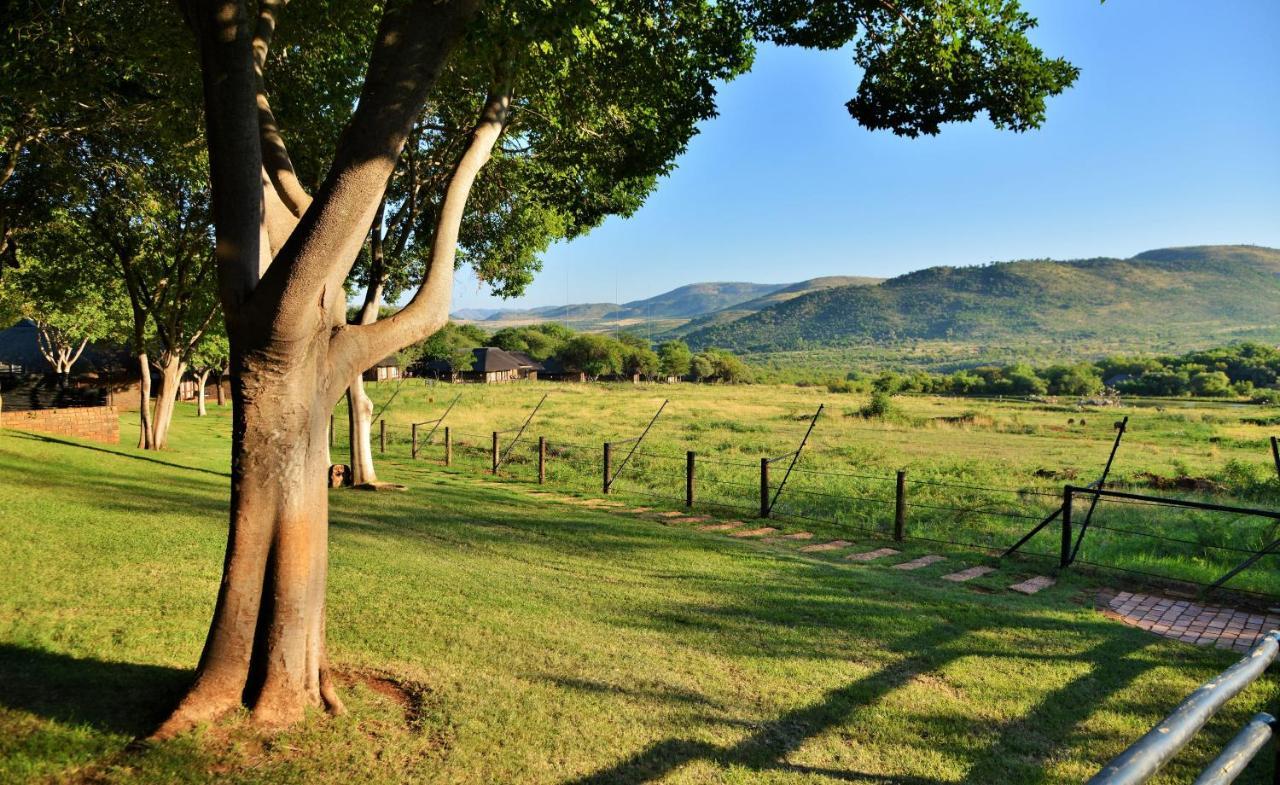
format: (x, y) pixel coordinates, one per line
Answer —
(1171, 136)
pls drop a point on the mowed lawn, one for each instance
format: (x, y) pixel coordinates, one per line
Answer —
(489, 636)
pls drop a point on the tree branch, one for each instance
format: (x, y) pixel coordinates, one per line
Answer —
(275, 156)
(355, 348)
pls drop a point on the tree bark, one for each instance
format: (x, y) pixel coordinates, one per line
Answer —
(171, 370)
(360, 414)
(221, 396)
(266, 646)
(201, 380)
(145, 432)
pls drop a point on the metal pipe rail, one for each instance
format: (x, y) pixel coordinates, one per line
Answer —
(1150, 753)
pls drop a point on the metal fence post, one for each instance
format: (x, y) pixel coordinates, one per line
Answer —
(448, 447)
(413, 442)
(900, 507)
(494, 458)
(608, 465)
(382, 434)
(764, 487)
(1065, 559)
(542, 460)
(689, 460)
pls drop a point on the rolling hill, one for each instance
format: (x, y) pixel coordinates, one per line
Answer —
(1191, 297)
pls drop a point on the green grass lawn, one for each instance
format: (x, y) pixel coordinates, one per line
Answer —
(489, 636)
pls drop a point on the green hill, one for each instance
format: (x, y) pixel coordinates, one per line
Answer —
(739, 310)
(1188, 297)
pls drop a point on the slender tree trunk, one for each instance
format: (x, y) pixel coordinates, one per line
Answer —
(360, 413)
(145, 432)
(221, 400)
(266, 646)
(201, 380)
(171, 371)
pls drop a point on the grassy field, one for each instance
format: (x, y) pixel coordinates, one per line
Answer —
(979, 472)
(486, 635)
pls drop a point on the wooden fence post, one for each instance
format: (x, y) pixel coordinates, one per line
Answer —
(900, 507)
(494, 457)
(1275, 456)
(764, 487)
(1064, 560)
(413, 447)
(382, 434)
(542, 460)
(689, 459)
(608, 465)
(448, 447)
(331, 430)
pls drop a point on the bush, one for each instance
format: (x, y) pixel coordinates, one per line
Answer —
(879, 407)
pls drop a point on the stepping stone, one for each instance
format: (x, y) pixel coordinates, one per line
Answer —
(1033, 585)
(720, 527)
(797, 536)
(923, 561)
(693, 519)
(671, 514)
(968, 575)
(639, 510)
(872, 555)
(754, 532)
(834, 545)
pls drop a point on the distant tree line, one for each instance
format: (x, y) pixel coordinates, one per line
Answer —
(596, 355)
(1246, 370)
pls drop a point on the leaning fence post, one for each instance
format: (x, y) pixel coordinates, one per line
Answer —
(764, 487)
(448, 447)
(689, 459)
(542, 460)
(494, 459)
(331, 430)
(382, 434)
(608, 465)
(900, 507)
(1275, 456)
(413, 442)
(1065, 559)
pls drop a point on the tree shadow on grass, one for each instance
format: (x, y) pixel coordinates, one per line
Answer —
(124, 698)
(117, 453)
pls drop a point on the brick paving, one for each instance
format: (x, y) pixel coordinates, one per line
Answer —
(834, 545)
(923, 561)
(968, 575)
(872, 555)
(1192, 622)
(1033, 585)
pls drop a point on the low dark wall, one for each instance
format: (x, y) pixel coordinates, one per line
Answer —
(98, 423)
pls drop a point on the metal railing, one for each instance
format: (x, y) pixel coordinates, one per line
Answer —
(1149, 754)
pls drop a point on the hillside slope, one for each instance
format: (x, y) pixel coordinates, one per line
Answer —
(1194, 296)
(734, 312)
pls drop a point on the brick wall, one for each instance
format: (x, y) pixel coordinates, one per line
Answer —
(98, 423)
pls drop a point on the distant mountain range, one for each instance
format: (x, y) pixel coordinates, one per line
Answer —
(1182, 298)
(1194, 297)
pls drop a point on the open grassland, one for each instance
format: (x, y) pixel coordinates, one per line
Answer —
(979, 472)
(487, 636)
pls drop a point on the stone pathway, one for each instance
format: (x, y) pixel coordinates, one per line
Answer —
(923, 561)
(763, 530)
(1191, 622)
(1033, 585)
(720, 527)
(834, 545)
(872, 555)
(968, 575)
(797, 536)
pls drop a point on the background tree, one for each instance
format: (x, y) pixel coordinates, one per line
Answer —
(594, 355)
(209, 358)
(675, 358)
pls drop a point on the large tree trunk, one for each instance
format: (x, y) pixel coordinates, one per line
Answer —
(145, 433)
(171, 370)
(360, 413)
(266, 645)
(201, 380)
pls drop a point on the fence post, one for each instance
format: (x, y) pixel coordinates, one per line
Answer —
(494, 459)
(1275, 456)
(542, 460)
(413, 439)
(900, 507)
(608, 465)
(331, 430)
(382, 434)
(689, 459)
(764, 487)
(448, 447)
(1065, 559)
